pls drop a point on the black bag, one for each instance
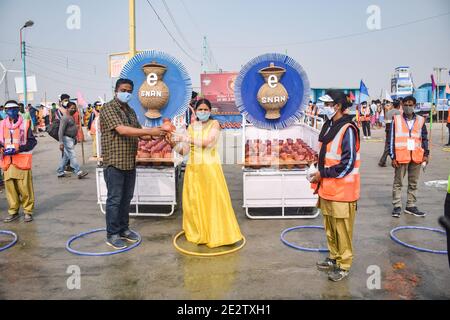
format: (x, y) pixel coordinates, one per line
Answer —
(53, 129)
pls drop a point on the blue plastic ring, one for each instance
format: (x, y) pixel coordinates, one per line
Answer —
(108, 253)
(9, 245)
(393, 237)
(299, 247)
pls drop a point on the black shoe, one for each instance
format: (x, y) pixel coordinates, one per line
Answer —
(326, 265)
(338, 274)
(396, 212)
(116, 242)
(382, 164)
(82, 174)
(445, 223)
(414, 211)
(130, 236)
(11, 218)
(63, 175)
(447, 145)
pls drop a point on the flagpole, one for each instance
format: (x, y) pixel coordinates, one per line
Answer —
(431, 115)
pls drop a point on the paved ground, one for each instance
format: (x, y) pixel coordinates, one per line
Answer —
(36, 267)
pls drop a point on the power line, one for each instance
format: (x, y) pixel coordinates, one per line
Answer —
(335, 37)
(63, 63)
(191, 18)
(170, 34)
(65, 74)
(56, 63)
(176, 26)
(72, 51)
(64, 82)
(60, 50)
(36, 49)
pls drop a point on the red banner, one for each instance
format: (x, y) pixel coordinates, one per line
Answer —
(219, 89)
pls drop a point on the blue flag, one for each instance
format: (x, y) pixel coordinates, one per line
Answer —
(363, 89)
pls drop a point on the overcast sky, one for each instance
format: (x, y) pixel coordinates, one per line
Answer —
(330, 39)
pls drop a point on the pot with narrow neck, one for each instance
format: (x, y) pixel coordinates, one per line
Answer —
(272, 96)
(154, 93)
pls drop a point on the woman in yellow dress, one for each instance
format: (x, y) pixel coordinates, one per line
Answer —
(208, 216)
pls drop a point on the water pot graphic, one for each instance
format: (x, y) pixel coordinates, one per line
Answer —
(272, 96)
(154, 93)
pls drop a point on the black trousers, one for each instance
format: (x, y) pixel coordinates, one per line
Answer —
(120, 184)
(386, 145)
(447, 215)
(448, 126)
(366, 128)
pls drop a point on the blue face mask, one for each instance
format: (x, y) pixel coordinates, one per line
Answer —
(13, 113)
(123, 97)
(203, 115)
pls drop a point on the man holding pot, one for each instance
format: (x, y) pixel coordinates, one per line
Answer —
(120, 133)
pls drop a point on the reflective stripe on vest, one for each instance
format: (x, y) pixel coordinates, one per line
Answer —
(345, 189)
(402, 134)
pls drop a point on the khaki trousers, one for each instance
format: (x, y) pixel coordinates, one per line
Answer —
(20, 192)
(339, 231)
(413, 170)
(94, 145)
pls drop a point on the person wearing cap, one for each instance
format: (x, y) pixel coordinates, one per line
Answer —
(92, 126)
(408, 151)
(337, 183)
(366, 113)
(17, 142)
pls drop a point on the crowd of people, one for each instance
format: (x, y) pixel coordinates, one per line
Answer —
(208, 215)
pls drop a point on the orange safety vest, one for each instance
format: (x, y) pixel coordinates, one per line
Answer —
(402, 134)
(22, 160)
(448, 115)
(346, 189)
(365, 114)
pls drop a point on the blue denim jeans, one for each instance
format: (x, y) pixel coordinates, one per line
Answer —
(68, 154)
(120, 185)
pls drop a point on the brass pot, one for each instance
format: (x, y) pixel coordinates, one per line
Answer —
(272, 95)
(153, 93)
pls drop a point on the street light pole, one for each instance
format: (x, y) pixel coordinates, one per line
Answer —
(27, 24)
(132, 28)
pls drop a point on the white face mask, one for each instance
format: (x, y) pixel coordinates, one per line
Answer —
(65, 103)
(329, 112)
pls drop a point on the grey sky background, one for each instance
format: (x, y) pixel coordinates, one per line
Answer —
(67, 61)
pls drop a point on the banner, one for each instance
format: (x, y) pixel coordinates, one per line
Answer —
(218, 88)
